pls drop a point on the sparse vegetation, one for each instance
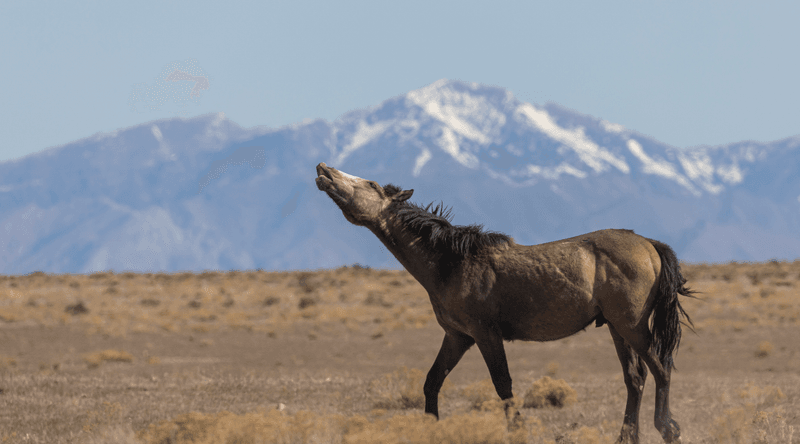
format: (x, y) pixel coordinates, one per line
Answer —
(112, 304)
(402, 389)
(305, 427)
(319, 355)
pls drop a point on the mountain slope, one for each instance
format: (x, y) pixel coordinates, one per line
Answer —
(203, 193)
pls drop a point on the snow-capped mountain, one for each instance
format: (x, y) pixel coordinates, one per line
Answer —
(204, 193)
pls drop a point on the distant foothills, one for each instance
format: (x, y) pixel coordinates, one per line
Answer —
(205, 194)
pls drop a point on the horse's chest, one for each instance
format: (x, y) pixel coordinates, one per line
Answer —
(464, 313)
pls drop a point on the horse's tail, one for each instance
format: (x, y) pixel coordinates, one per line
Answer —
(667, 312)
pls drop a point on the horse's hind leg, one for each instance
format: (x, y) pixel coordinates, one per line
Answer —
(670, 430)
(453, 348)
(635, 373)
(640, 342)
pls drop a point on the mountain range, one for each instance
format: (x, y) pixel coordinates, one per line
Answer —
(204, 193)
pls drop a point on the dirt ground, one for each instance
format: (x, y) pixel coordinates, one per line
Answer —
(122, 357)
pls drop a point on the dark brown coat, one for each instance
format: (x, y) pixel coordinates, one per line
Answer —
(485, 288)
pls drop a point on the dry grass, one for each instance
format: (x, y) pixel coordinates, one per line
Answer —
(194, 407)
(308, 427)
(95, 359)
(761, 417)
(119, 304)
(319, 356)
(736, 296)
(402, 389)
(548, 392)
(479, 392)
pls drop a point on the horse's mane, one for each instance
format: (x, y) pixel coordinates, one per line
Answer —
(433, 227)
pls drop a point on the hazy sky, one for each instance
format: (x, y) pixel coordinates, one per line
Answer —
(684, 72)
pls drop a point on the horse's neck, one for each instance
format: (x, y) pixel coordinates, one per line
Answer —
(419, 262)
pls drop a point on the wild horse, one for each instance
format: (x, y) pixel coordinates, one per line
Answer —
(485, 288)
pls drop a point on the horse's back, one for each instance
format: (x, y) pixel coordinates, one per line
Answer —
(631, 253)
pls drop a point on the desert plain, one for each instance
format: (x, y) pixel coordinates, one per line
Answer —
(339, 356)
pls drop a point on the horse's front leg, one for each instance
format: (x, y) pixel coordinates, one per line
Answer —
(494, 354)
(454, 345)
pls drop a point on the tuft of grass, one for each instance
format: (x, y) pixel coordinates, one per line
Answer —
(76, 309)
(7, 362)
(95, 359)
(764, 349)
(549, 392)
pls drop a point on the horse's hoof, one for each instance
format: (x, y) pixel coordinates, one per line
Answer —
(514, 418)
(671, 432)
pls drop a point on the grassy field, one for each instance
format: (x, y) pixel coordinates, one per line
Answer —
(339, 356)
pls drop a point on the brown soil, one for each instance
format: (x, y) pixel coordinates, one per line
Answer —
(154, 347)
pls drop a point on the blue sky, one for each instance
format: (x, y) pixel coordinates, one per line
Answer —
(684, 72)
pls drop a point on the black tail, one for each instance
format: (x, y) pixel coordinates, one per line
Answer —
(667, 312)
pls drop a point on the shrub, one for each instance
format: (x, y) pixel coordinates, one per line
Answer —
(549, 392)
(764, 349)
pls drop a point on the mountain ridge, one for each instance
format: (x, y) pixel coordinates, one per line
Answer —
(205, 193)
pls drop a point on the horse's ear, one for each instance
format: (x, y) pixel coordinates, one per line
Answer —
(402, 196)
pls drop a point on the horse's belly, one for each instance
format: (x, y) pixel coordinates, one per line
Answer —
(557, 320)
(543, 333)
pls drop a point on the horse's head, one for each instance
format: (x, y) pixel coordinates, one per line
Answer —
(362, 201)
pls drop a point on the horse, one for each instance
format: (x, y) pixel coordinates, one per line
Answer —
(485, 289)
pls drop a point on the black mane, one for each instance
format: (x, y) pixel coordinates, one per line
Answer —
(433, 227)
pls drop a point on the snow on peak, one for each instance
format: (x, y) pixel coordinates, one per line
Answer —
(615, 128)
(364, 134)
(659, 167)
(551, 173)
(449, 143)
(730, 174)
(422, 159)
(470, 116)
(164, 150)
(593, 155)
(157, 133)
(700, 168)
